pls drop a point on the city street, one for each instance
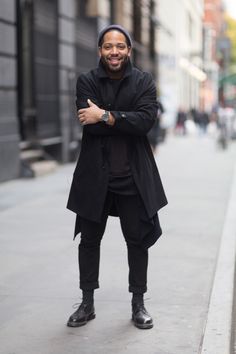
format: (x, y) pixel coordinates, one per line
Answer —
(39, 270)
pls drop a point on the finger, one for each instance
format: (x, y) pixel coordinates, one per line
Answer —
(82, 120)
(90, 103)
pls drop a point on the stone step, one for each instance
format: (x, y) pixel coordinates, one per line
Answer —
(32, 154)
(41, 168)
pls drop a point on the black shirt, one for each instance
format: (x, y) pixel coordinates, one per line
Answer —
(120, 176)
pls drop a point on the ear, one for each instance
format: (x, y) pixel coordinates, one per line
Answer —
(129, 51)
(100, 51)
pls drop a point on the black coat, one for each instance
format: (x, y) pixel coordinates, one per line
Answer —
(135, 110)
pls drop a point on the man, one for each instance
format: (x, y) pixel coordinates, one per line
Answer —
(116, 173)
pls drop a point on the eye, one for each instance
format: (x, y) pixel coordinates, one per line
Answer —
(121, 46)
(107, 46)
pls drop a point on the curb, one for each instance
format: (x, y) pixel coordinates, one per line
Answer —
(217, 334)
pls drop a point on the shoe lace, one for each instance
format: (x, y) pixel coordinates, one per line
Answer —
(147, 299)
(77, 304)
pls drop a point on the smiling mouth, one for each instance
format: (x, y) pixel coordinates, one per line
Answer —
(114, 61)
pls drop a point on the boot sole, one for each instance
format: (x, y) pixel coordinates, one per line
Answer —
(79, 324)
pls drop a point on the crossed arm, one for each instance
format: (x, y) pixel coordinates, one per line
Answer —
(93, 114)
(136, 122)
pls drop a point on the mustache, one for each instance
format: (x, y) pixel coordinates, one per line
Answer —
(124, 61)
(111, 56)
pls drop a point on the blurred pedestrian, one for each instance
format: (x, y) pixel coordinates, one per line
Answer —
(226, 116)
(203, 121)
(116, 172)
(181, 118)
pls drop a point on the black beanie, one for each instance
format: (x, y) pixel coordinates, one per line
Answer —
(117, 28)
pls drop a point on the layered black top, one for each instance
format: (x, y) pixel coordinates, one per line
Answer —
(133, 104)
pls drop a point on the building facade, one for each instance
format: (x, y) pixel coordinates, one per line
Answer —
(179, 44)
(9, 129)
(213, 24)
(45, 45)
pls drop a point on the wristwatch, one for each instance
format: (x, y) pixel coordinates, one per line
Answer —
(105, 116)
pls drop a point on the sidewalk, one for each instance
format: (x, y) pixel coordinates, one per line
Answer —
(38, 261)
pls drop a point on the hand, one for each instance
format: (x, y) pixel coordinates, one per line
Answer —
(90, 115)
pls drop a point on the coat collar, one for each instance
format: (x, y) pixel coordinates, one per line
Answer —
(102, 74)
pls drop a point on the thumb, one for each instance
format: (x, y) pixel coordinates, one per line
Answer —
(90, 103)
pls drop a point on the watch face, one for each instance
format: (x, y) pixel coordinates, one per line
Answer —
(105, 116)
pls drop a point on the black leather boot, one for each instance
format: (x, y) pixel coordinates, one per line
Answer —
(141, 317)
(82, 315)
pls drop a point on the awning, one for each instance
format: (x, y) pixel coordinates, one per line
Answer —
(229, 79)
(192, 69)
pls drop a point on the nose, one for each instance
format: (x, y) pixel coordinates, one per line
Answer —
(114, 50)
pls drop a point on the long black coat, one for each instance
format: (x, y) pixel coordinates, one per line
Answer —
(135, 110)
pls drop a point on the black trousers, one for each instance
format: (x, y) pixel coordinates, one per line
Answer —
(128, 207)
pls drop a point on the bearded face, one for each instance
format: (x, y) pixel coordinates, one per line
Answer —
(114, 52)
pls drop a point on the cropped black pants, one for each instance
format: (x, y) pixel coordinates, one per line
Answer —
(128, 207)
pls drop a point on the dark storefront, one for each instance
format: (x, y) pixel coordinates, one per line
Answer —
(45, 45)
(60, 43)
(38, 70)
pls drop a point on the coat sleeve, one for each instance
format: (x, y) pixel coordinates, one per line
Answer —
(144, 114)
(85, 91)
(138, 121)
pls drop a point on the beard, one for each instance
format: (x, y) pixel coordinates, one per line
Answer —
(115, 64)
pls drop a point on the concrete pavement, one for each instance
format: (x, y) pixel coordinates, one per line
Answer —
(38, 260)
